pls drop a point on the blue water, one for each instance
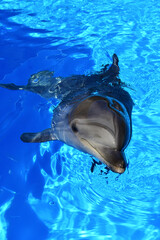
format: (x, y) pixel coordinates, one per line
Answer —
(47, 191)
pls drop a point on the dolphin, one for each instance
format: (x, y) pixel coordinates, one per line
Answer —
(94, 115)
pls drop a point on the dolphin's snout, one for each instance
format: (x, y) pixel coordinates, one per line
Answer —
(117, 161)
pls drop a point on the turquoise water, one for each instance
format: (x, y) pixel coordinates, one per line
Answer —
(47, 190)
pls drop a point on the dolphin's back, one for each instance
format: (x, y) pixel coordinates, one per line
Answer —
(105, 82)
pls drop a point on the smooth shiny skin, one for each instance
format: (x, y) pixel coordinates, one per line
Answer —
(96, 124)
(102, 125)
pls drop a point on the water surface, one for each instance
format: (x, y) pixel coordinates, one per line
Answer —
(47, 190)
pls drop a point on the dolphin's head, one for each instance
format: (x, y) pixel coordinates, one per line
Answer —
(102, 126)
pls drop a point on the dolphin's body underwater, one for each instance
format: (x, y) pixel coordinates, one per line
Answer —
(94, 114)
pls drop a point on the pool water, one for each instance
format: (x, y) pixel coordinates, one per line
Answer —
(47, 190)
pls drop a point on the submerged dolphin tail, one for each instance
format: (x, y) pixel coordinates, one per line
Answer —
(38, 137)
(12, 86)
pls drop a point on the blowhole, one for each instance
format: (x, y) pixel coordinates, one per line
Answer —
(117, 106)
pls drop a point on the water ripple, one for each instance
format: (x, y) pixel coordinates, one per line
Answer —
(76, 203)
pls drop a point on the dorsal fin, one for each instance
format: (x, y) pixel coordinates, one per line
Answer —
(44, 136)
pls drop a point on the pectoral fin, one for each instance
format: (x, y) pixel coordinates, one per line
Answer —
(44, 136)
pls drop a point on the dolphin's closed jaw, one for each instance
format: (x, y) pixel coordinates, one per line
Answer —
(118, 169)
(116, 161)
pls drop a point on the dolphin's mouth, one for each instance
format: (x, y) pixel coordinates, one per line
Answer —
(115, 160)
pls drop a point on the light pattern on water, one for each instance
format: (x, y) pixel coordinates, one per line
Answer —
(76, 37)
(3, 223)
(79, 199)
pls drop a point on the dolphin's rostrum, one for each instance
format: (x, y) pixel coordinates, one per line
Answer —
(94, 114)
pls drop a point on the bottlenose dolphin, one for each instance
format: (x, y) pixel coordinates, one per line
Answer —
(94, 114)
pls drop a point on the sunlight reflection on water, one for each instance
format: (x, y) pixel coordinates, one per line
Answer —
(76, 203)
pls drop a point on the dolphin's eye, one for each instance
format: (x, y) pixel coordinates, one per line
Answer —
(74, 128)
(117, 106)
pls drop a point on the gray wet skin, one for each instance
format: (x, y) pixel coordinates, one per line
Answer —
(96, 124)
(102, 126)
